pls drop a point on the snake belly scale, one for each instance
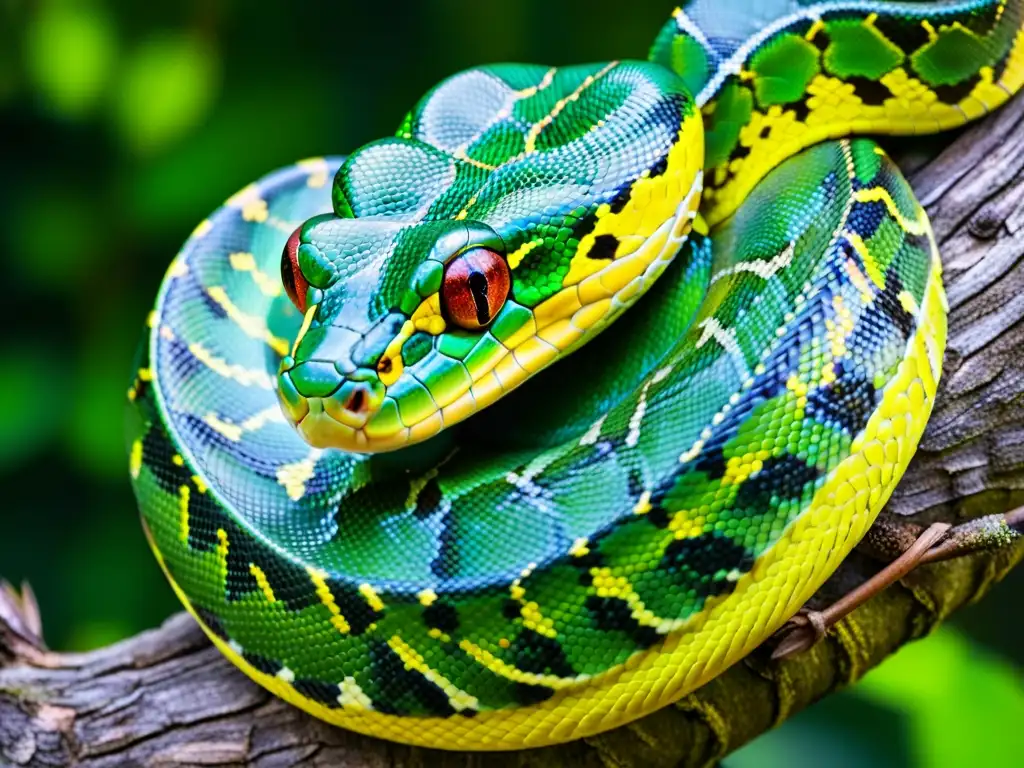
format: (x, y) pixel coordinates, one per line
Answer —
(340, 483)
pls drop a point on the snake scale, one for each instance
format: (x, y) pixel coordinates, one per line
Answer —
(315, 466)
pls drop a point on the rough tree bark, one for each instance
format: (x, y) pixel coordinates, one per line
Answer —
(167, 697)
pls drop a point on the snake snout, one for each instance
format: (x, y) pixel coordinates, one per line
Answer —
(355, 402)
(350, 398)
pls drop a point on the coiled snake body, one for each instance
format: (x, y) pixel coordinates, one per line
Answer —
(629, 523)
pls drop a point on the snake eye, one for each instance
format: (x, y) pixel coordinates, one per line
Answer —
(476, 284)
(295, 283)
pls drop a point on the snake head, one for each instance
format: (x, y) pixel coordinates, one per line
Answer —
(391, 311)
(518, 212)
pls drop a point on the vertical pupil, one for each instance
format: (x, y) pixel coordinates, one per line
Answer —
(478, 287)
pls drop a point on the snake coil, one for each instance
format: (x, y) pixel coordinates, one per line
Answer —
(334, 471)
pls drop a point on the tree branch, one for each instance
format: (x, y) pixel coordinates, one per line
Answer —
(166, 697)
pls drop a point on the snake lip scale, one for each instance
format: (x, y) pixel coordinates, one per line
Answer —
(529, 420)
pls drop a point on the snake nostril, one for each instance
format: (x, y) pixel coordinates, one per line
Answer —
(357, 401)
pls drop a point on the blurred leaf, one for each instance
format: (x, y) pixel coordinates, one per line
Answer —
(832, 733)
(30, 403)
(965, 706)
(70, 52)
(111, 604)
(514, 19)
(166, 89)
(89, 634)
(52, 256)
(251, 132)
(990, 625)
(95, 420)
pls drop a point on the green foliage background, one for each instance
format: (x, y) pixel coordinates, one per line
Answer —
(124, 123)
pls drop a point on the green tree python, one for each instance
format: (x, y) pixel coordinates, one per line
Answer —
(340, 484)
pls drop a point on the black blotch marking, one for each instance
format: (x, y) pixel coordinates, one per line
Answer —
(703, 561)
(617, 203)
(800, 110)
(781, 477)
(580, 229)
(954, 94)
(441, 616)
(319, 691)
(428, 502)
(264, 664)
(157, 455)
(821, 40)
(658, 516)
(511, 609)
(205, 518)
(353, 606)
(401, 689)
(611, 614)
(906, 33)
(659, 167)
(211, 621)
(604, 247)
(387, 708)
(711, 462)
(526, 694)
(872, 92)
(478, 287)
(740, 152)
(290, 583)
(766, 131)
(889, 303)
(533, 652)
(593, 559)
(849, 401)
(241, 552)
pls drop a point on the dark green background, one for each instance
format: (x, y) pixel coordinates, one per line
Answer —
(125, 123)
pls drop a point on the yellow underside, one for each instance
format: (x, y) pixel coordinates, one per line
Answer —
(781, 581)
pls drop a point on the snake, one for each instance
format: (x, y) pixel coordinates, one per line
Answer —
(536, 416)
